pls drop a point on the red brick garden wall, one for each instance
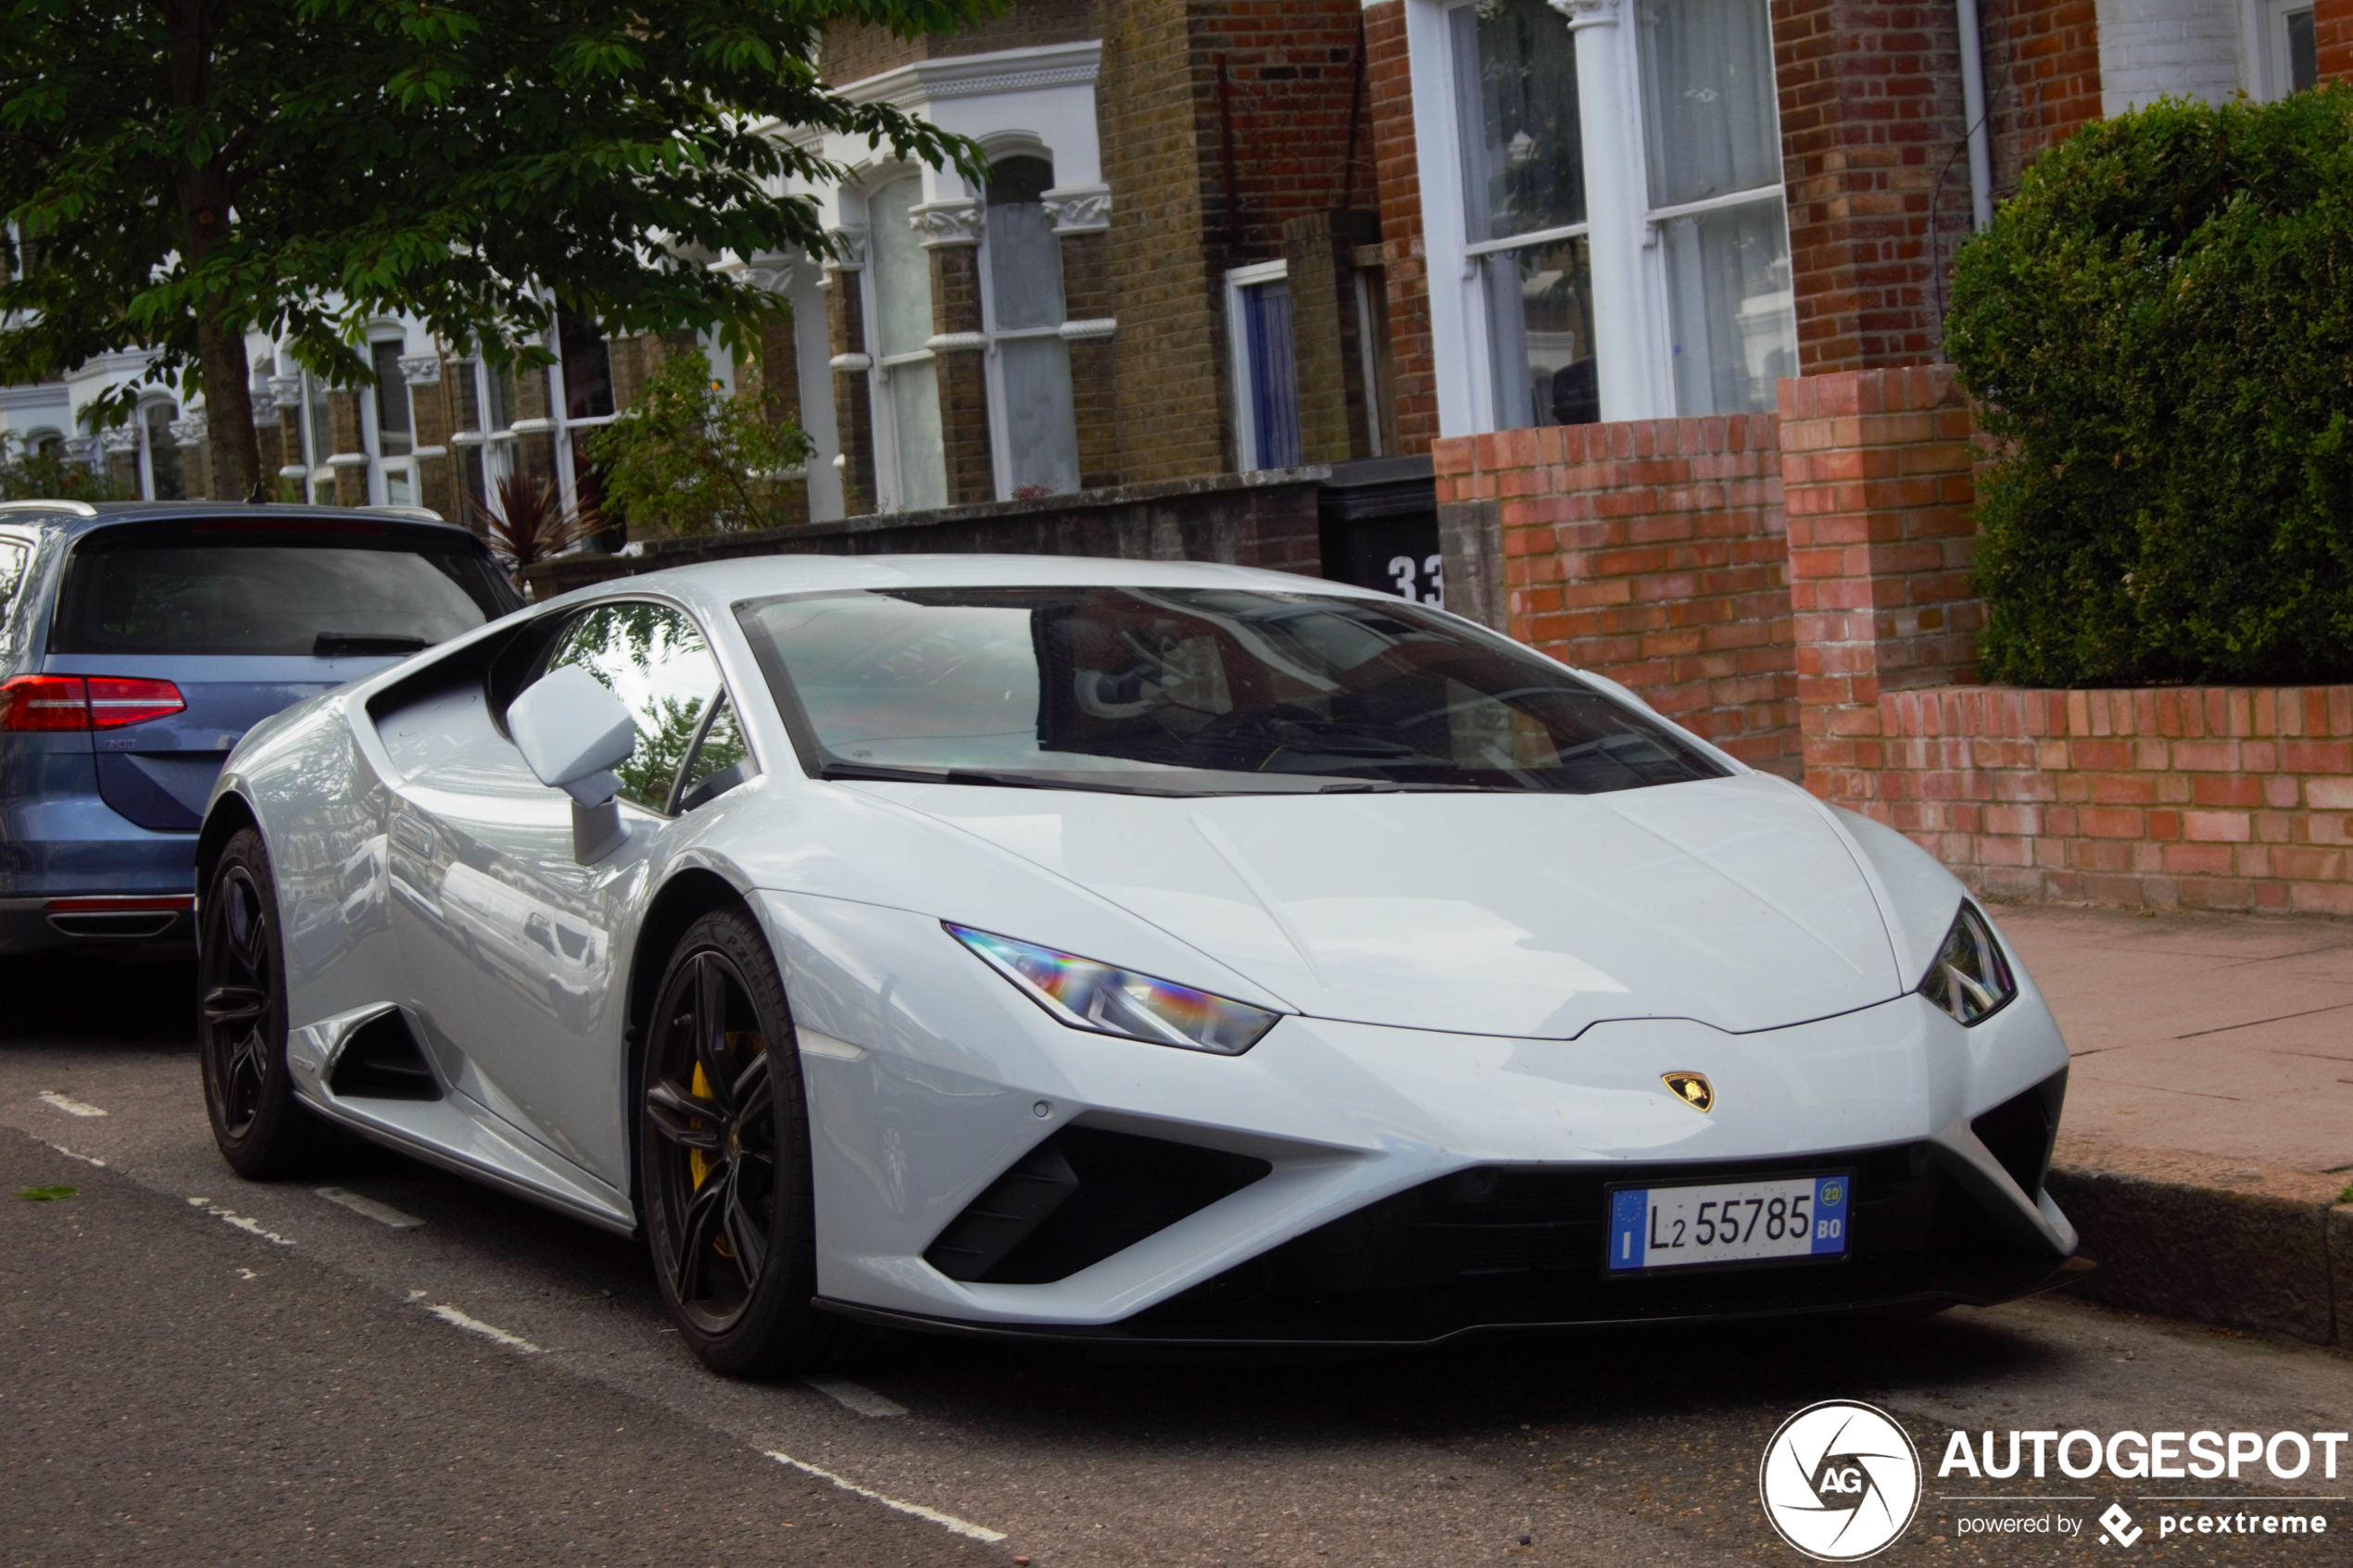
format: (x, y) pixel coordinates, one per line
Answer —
(1651, 552)
(2212, 797)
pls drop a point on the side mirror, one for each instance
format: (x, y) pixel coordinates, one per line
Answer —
(573, 733)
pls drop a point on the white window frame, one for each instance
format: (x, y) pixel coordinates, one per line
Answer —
(2268, 19)
(1247, 457)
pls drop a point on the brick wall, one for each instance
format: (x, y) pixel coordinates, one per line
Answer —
(2043, 78)
(2332, 39)
(2210, 798)
(1652, 552)
(1870, 106)
(1404, 266)
(1877, 483)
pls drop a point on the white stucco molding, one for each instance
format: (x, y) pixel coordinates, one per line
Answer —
(849, 247)
(82, 450)
(769, 272)
(851, 364)
(954, 223)
(348, 460)
(286, 391)
(956, 343)
(978, 76)
(121, 438)
(1092, 327)
(421, 370)
(1586, 13)
(1077, 209)
(189, 432)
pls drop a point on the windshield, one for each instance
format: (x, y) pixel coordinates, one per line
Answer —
(176, 594)
(1190, 691)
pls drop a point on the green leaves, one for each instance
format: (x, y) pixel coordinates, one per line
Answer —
(2157, 332)
(690, 458)
(472, 162)
(47, 1194)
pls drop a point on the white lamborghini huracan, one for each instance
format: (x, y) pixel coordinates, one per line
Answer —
(1147, 951)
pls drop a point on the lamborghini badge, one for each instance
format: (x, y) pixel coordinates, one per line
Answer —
(1691, 1088)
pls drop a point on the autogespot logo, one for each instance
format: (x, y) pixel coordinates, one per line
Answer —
(1839, 1480)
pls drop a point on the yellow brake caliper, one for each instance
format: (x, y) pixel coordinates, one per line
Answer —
(699, 1164)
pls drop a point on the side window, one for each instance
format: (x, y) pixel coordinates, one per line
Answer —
(654, 658)
(721, 760)
(12, 560)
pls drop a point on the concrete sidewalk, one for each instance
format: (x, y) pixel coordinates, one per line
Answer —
(2208, 1138)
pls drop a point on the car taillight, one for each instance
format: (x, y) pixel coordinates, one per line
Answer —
(74, 702)
(44, 702)
(117, 700)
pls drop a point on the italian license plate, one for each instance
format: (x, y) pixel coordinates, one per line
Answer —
(1676, 1227)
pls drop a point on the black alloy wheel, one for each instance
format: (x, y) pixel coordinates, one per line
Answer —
(723, 1157)
(240, 986)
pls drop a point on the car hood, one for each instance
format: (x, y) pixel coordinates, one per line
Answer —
(1732, 901)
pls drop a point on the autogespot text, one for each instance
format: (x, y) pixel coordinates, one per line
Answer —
(2154, 1456)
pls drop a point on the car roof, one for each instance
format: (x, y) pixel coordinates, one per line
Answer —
(722, 583)
(83, 517)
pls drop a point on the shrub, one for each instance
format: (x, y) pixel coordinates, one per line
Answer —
(2158, 328)
(43, 476)
(686, 458)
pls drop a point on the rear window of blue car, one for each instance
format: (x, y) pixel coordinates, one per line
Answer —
(219, 588)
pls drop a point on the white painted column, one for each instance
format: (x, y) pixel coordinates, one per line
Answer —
(1617, 209)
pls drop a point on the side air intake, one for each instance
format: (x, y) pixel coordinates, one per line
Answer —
(1079, 1197)
(383, 1060)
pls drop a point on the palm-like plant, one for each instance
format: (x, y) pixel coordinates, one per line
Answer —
(531, 523)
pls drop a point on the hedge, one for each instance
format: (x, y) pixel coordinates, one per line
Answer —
(2158, 329)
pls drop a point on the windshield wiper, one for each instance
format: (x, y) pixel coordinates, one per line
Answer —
(365, 644)
(866, 771)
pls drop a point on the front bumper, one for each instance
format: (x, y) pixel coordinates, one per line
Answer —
(932, 1082)
(1499, 1249)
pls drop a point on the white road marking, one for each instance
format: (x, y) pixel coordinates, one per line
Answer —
(383, 1213)
(69, 1105)
(245, 1273)
(250, 1226)
(856, 1397)
(85, 1159)
(946, 1521)
(456, 1319)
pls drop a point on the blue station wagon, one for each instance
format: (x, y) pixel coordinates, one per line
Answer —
(138, 640)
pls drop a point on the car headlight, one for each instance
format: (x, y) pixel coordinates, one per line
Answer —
(1970, 979)
(1086, 995)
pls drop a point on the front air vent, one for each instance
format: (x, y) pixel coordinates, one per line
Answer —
(2018, 1132)
(383, 1060)
(1079, 1197)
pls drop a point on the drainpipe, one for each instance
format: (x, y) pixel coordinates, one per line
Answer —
(1981, 158)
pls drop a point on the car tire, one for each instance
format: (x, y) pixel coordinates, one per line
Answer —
(263, 1132)
(722, 1158)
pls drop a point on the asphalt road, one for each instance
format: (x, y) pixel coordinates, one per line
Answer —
(206, 1370)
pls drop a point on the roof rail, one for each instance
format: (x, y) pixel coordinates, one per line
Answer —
(79, 508)
(422, 514)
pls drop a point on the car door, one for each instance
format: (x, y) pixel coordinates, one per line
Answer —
(507, 947)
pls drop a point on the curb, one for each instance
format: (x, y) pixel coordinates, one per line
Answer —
(2215, 1241)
